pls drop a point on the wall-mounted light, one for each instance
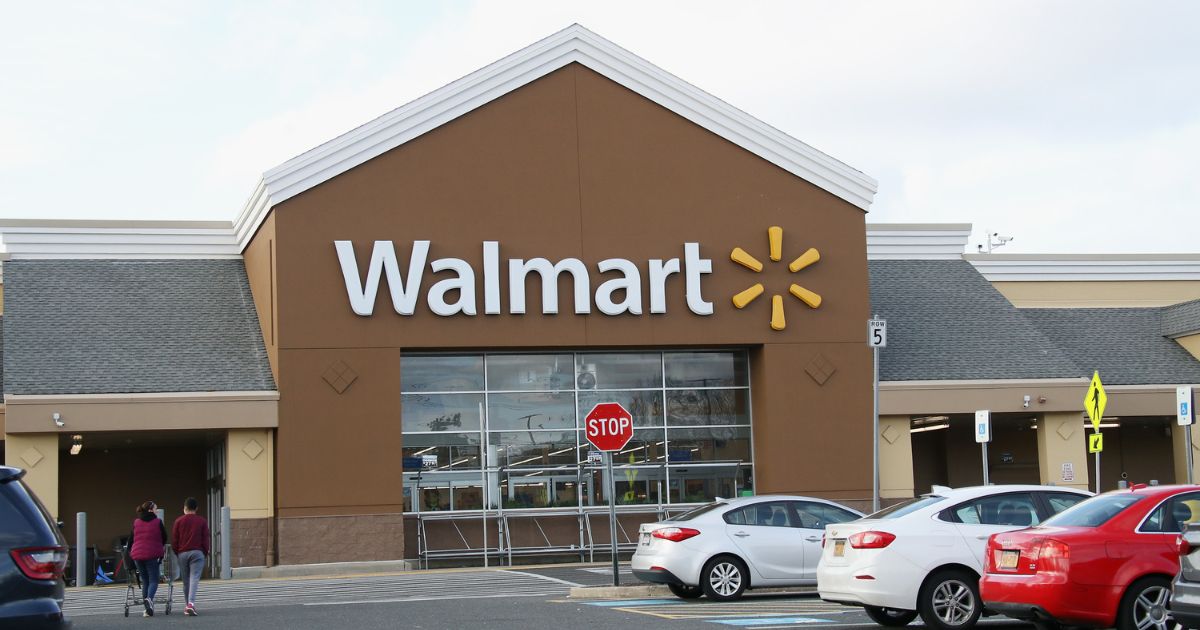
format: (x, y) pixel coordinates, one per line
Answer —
(58, 421)
(1026, 400)
(76, 443)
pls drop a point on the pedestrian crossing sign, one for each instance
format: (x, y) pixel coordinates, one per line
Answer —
(1095, 402)
(1095, 442)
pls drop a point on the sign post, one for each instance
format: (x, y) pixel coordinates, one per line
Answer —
(609, 427)
(876, 338)
(1094, 402)
(1185, 415)
(983, 435)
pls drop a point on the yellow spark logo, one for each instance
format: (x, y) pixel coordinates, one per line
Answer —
(775, 236)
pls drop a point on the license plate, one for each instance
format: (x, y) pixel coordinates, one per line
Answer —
(839, 548)
(1008, 560)
(645, 539)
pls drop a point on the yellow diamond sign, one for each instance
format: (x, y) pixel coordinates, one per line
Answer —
(1095, 401)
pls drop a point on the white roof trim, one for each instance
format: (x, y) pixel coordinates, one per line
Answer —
(119, 240)
(574, 44)
(917, 241)
(1086, 267)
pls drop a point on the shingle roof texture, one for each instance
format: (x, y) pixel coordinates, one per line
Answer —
(947, 322)
(1181, 319)
(1126, 345)
(131, 326)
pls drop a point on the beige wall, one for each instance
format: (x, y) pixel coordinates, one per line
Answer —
(895, 457)
(920, 398)
(37, 453)
(1191, 343)
(1062, 440)
(1074, 294)
(1178, 443)
(249, 473)
(134, 412)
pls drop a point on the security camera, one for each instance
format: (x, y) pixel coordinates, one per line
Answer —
(1025, 403)
(58, 421)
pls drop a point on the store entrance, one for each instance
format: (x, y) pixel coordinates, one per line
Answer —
(945, 452)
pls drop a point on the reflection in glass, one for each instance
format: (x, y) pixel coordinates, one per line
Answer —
(533, 449)
(440, 412)
(540, 489)
(699, 407)
(531, 411)
(635, 485)
(438, 491)
(706, 369)
(453, 451)
(430, 373)
(530, 372)
(645, 406)
(645, 447)
(626, 370)
(700, 484)
(729, 444)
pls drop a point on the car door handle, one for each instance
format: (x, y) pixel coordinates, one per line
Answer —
(813, 538)
(741, 534)
(984, 537)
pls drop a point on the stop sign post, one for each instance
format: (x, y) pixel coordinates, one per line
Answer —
(609, 427)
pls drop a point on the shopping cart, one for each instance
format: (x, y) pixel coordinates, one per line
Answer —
(133, 589)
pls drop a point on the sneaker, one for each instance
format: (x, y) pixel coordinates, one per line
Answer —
(149, 608)
(190, 610)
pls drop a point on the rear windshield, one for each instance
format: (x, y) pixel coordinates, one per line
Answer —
(704, 509)
(906, 507)
(1093, 512)
(26, 520)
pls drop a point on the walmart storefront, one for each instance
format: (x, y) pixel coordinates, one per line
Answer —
(388, 354)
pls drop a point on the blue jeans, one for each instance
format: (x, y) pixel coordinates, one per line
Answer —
(148, 572)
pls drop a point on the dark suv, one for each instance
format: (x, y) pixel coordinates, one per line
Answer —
(32, 561)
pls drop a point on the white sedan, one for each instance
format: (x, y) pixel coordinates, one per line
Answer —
(925, 555)
(726, 547)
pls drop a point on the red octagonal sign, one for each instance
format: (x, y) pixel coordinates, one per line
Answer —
(609, 426)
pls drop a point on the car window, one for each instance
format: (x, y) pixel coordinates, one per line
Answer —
(817, 515)
(1173, 514)
(1015, 510)
(906, 507)
(1093, 512)
(1059, 501)
(691, 514)
(767, 513)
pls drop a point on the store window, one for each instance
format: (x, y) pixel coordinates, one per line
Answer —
(504, 430)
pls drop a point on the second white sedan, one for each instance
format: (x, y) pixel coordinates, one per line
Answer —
(723, 548)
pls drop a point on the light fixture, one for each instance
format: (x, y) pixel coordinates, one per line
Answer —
(932, 427)
(76, 443)
(58, 421)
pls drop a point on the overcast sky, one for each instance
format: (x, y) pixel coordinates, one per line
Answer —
(1071, 126)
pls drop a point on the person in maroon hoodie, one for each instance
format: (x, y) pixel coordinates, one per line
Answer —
(190, 533)
(147, 541)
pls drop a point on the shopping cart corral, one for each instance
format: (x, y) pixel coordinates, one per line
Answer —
(501, 536)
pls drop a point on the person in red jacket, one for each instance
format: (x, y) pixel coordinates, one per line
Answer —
(190, 533)
(147, 542)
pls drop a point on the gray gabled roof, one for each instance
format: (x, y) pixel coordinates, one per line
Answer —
(1181, 319)
(947, 322)
(131, 326)
(1126, 345)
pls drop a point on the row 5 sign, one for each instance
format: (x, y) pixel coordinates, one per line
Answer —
(608, 426)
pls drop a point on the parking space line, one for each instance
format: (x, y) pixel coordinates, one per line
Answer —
(759, 622)
(631, 602)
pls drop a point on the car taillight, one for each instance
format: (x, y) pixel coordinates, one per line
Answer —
(1052, 557)
(1182, 546)
(675, 534)
(40, 563)
(871, 540)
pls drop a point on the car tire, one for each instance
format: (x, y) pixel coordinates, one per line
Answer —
(890, 617)
(949, 600)
(724, 578)
(1146, 602)
(683, 591)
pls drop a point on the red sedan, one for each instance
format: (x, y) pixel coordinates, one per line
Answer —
(1105, 562)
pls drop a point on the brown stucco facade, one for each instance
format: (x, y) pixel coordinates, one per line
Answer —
(571, 165)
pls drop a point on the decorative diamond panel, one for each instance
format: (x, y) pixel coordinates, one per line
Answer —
(339, 376)
(890, 433)
(820, 369)
(1065, 430)
(31, 457)
(252, 449)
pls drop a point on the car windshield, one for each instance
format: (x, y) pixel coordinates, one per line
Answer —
(689, 515)
(906, 507)
(1094, 512)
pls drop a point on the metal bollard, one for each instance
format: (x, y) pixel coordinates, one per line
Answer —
(226, 551)
(81, 574)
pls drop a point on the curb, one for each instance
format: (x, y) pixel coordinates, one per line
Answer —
(620, 592)
(332, 569)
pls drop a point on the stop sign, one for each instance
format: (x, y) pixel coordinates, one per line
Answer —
(609, 426)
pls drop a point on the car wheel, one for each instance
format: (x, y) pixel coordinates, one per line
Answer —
(950, 600)
(724, 578)
(891, 617)
(683, 591)
(1144, 605)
